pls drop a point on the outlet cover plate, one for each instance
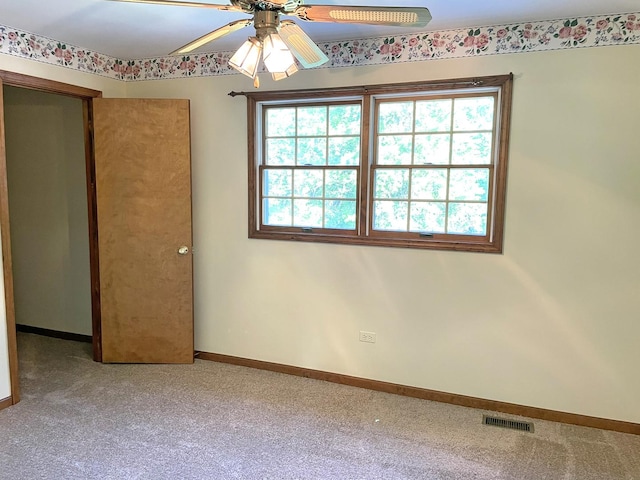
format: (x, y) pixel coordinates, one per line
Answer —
(367, 337)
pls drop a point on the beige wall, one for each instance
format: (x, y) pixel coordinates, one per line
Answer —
(551, 323)
(110, 88)
(46, 172)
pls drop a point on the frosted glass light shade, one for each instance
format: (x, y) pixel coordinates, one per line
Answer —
(280, 75)
(276, 55)
(247, 58)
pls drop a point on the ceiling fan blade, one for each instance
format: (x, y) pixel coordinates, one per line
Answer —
(396, 16)
(231, 8)
(211, 36)
(305, 49)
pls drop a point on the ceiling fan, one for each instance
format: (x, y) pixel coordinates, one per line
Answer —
(275, 40)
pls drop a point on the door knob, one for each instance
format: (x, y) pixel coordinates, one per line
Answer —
(183, 250)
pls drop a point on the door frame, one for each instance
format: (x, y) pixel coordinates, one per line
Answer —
(86, 95)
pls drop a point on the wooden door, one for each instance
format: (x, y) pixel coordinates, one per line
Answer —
(143, 196)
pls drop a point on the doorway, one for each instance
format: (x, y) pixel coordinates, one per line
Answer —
(47, 190)
(85, 95)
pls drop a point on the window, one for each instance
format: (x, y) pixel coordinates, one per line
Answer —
(309, 172)
(419, 165)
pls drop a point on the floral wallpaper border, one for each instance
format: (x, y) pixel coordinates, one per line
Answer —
(605, 30)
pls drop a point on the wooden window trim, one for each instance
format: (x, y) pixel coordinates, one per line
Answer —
(364, 234)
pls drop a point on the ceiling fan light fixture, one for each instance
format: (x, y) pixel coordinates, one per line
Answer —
(247, 58)
(276, 55)
(280, 75)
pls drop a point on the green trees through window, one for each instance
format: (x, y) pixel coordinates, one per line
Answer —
(427, 135)
(415, 165)
(309, 179)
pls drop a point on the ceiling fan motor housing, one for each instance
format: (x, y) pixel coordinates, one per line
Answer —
(266, 22)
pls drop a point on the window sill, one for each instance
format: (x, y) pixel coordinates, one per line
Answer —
(431, 244)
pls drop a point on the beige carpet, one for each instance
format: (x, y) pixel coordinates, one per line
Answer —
(83, 420)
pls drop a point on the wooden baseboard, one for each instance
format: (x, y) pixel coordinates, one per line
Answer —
(76, 337)
(7, 402)
(433, 395)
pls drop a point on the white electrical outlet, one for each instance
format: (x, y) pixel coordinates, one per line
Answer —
(368, 337)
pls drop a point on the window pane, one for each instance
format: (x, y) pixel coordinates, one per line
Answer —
(344, 120)
(312, 121)
(307, 183)
(277, 183)
(390, 215)
(467, 218)
(312, 151)
(432, 149)
(469, 184)
(427, 217)
(433, 116)
(281, 151)
(277, 211)
(427, 184)
(344, 151)
(340, 214)
(341, 184)
(307, 213)
(394, 150)
(395, 117)
(471, 148)
(281, 122)
(391, 183)
(473, 113)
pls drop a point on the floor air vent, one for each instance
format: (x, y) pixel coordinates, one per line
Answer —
(506, 423)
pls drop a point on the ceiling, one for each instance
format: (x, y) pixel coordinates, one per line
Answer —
(135, 31)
